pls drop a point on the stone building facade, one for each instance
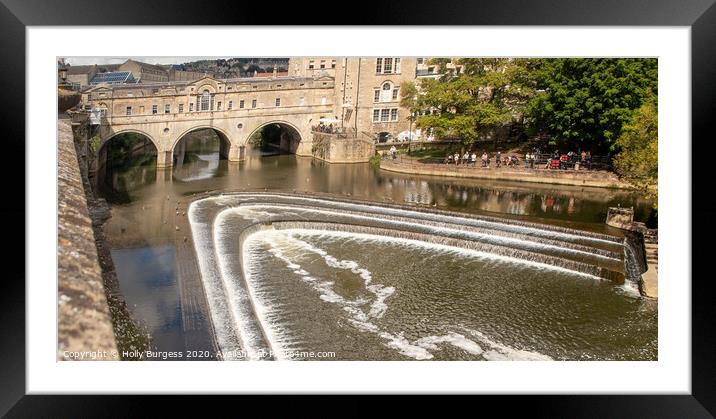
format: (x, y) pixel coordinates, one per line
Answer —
(234, 108)
(367, 90)
(358, 95)
(145, 73)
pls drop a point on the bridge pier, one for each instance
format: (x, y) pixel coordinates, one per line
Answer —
(164, 159)
(237, 152)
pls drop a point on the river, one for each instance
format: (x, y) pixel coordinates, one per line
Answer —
(443, 304)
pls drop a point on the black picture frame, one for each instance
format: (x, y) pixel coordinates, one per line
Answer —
(700, 15)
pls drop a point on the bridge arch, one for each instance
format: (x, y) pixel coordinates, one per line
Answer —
(289, 137)
(107, 137)
(226, 146)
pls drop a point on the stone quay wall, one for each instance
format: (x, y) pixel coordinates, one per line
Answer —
(336, 149)
(84, 327)
(599, 179)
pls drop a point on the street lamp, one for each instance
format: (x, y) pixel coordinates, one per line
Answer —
(410, 130)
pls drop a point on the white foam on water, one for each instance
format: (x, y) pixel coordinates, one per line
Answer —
(221, 314)
(381, 292)
(435, 247)
(500, 352)
(420, 215)
(454, 339)
(446, 231)
(241, 301)
(418, 349)
(269, 318)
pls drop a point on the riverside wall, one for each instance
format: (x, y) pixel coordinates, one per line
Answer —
(84, 324)
(599, 179)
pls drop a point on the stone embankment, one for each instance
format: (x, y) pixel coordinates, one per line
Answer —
(651, 245)
(596, 178)
(84, 324)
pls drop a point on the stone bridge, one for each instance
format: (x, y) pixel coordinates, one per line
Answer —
(235, 109)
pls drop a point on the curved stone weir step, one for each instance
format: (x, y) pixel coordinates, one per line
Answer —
(234, 310)
(567, 249)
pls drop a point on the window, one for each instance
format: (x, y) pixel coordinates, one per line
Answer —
(394, 114)
(384, 115)
(311, 65)
(323, 63)
(376, 95)
(241, 104)
(191, 107)
(387, 65)
(376, 115)
(323, 100)
(420, 61)
(205, 101)
(141, 110)
(386, 92)
(333, 63)
(395, 93)
(301, 101)
(253, 103)
(181, 108)
(231, 105)
(129, 110)
(278, 101)
(154, 109)
(218, 106)
(167, 108)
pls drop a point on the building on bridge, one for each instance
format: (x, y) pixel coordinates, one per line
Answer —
(360, 96)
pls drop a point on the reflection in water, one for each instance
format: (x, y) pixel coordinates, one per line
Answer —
(147, 275)
(146, 211)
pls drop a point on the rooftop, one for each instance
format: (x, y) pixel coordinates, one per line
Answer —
(113, 77)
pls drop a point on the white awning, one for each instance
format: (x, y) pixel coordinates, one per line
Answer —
(329, 120)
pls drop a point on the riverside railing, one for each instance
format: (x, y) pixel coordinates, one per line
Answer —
(597, 163)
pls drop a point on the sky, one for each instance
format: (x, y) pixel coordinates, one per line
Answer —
(120, 60)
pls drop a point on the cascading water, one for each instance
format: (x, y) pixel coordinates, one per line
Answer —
(287, 274)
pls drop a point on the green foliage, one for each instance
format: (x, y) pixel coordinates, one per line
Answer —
(487, 94)
(95, 143)
(321, 146)
(584, 102)
(268, 134)
(638, 159)
(375, 160)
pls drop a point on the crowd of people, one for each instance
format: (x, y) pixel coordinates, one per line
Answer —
(328, 129)
(556, 160)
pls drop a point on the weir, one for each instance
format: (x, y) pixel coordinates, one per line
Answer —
(221, 226)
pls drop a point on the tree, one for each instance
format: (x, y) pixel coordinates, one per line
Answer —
(638, 159)
(474, 97)
(584, 102)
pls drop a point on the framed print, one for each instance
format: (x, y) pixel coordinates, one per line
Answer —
(469, 209)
